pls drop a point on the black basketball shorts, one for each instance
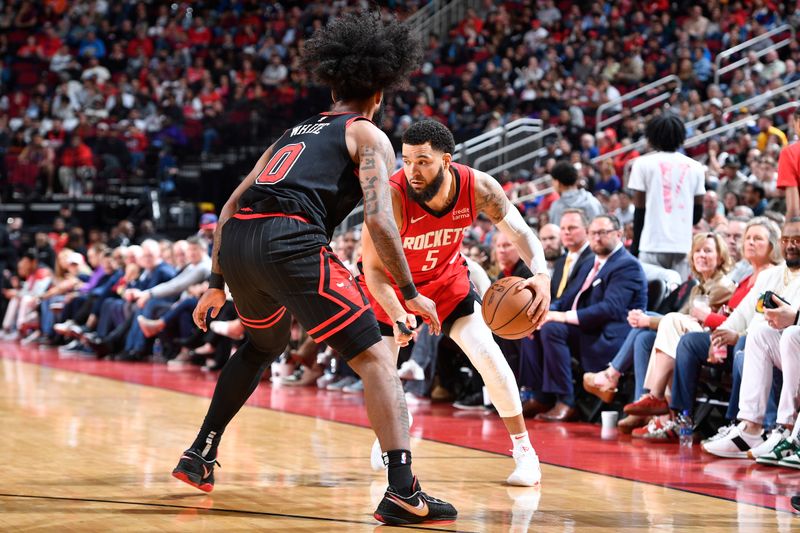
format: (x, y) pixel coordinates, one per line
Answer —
(274, 264)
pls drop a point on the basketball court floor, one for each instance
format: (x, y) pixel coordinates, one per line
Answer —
(89, 446)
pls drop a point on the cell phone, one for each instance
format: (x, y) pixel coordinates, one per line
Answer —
(769, 303)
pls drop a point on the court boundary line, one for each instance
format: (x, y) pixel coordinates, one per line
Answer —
(464, 446)
(219, 510)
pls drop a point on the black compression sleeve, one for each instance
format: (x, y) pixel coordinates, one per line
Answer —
(697, 214)
(638, 225)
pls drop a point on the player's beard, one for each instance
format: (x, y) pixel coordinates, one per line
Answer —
(426, 195)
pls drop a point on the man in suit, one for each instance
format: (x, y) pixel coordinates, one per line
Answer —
(588, 321)
(574, 225)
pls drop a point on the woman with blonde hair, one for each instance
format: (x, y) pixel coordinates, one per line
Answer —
(761, 248)
(710, 261)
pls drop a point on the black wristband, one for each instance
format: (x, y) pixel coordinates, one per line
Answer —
(216, 281)
(409, 291)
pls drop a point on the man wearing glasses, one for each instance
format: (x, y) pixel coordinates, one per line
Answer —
(589, 320)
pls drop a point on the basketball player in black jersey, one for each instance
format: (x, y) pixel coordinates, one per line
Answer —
(271, 246)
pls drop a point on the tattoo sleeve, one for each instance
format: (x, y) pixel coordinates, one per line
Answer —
(375, 160)
(490, 198)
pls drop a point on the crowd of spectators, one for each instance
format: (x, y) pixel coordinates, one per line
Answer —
(141, 84)
(109, 89)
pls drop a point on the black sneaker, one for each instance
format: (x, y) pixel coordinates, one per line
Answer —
(471, 402)
(196, 471)
(796, 503)
(419, 508)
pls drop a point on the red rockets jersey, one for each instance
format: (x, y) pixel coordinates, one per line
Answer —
(432, 244)
(432, 241)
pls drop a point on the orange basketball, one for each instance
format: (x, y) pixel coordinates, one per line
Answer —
(505, 310)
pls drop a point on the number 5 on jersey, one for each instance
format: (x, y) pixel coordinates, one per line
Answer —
(431, 260)
(280, 164)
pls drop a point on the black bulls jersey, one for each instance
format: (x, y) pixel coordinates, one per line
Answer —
(310, 173)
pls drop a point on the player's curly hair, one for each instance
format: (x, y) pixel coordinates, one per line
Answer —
(359, 54)
(666, 132)
(430, 131)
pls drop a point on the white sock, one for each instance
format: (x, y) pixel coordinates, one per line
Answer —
(521, 443)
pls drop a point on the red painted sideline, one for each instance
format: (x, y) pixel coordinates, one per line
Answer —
(571, 445)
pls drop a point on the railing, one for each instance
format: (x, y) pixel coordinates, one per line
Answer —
(547, 180)
(666, 80)
(438, 16)
(641, 143)
(494, 139)
(742, 122)
(516, 155)
(697, 139)
(719, 70)
(751, 103)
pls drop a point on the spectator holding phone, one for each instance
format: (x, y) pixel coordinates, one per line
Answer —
(773, 341)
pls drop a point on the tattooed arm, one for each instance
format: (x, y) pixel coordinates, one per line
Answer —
(491, 200)
(370, 149)
(379, 284)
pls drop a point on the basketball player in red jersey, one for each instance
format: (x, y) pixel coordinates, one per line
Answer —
(271, 246)
(435, 201)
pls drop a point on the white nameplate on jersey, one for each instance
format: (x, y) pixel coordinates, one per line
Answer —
(308, 128)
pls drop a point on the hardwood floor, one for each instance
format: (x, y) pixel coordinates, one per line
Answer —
(87, 453)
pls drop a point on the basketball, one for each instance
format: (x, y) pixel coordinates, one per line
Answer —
(505, 310)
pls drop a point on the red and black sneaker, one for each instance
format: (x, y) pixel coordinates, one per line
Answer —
(196, 471)
(418, 508)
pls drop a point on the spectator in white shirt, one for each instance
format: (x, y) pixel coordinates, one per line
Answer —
(668, 189)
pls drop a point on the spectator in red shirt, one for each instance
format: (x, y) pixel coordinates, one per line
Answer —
(29, 49)
(199, 34)
(56, 135)
(136, 141)
(789, 170)
(77, 168)
(37, 159)
(49, 43)
(196, 73)
(471, 25)
(141, 43)
(607, 141)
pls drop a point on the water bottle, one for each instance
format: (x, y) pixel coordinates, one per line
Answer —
(158, 349)
(685, 429)
(525, 394)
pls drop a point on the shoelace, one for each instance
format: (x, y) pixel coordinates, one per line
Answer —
(212, 462)
(722, 432)
(431, 498)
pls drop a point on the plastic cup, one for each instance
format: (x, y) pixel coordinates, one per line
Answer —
(609, 419)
